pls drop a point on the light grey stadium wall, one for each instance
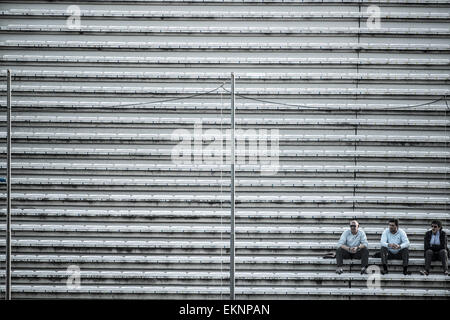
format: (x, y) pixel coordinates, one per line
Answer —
(93, 181)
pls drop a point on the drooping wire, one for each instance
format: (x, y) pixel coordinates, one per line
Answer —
(168, 100)
(315, 107)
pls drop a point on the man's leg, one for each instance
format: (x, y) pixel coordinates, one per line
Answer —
(363, 254)
(428, 258)
(384, 258)
(405, 257)
(340, 257)
(443, 257)
(341, 254)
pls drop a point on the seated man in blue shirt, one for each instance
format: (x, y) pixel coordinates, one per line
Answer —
(394, 245)
(435, 247)
(352, 245)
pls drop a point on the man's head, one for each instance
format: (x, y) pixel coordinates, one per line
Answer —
(393, 225)
(436, 226)
(354, 225)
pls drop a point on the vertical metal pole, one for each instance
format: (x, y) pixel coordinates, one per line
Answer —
(232, 232)
(8, 188)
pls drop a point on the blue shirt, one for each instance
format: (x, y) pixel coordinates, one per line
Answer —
(399, 238)
(435, 239)
(353, 240)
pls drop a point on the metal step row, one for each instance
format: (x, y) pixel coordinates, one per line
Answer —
(11, 59)
(270, 152)
(217, 292)
(178, 46)
(268, 278)
(252, 261)
(241, 107)
(207, 136)
(118, 75)
(281, 90)
(50, 164)
(189, 228)
(76, 181)
(188, 244)
(337, 215)
(208, 263)
(205, 197)
(264, 216)
(279, 2)
(280, 122)
(224, 14)
(257, 30)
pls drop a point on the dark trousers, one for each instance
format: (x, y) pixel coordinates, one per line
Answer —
(403, 254)
(440, 255)
(362, 254)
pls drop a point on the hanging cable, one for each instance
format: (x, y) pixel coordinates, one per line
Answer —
(313, 107)
(168, 100)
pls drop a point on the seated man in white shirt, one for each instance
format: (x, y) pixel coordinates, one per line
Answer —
(352, 245)
(394, 245)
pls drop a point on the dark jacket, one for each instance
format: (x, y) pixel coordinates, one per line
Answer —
(442, 239)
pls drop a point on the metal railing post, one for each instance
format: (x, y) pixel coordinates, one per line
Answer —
(8, 188)
(232, 231)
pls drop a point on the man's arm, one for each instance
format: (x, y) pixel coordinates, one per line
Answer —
(445, 241)
(346, 248)
(342, 241)
(364, 243)
(383, 241)
(426, 242)
(405, 240)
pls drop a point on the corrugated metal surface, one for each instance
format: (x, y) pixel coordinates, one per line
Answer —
(362, 125)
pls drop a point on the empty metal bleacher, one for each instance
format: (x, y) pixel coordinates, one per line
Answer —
(362, 120)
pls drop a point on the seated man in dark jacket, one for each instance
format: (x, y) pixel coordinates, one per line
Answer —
(435, 247)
